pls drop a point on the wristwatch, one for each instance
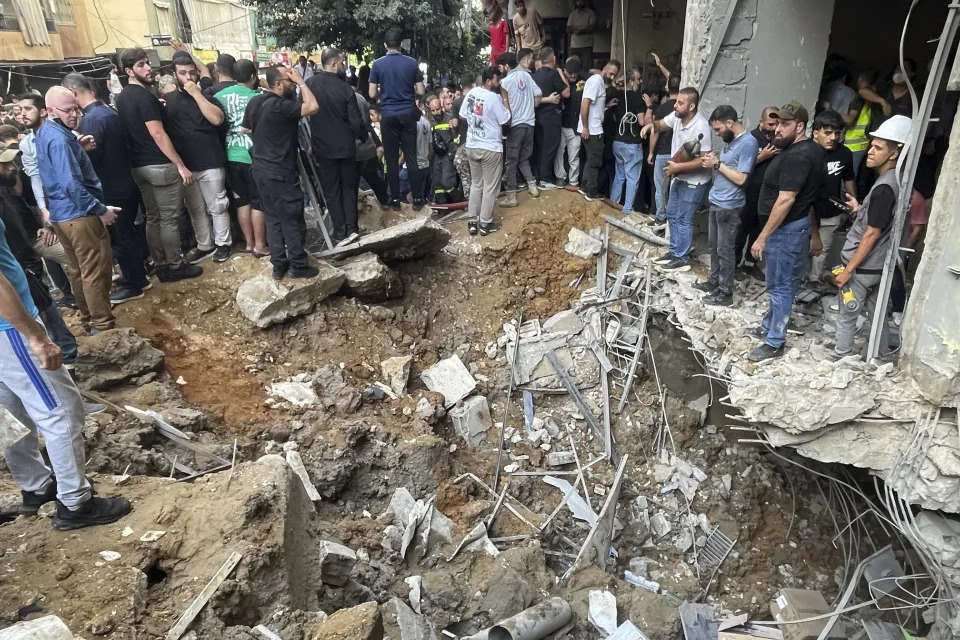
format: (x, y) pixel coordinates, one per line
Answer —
(716, 167)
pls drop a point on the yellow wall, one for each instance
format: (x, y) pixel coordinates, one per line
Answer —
(12, 47)
(120, 24)
(76, 39)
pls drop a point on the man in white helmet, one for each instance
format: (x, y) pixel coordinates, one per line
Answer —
(868, 240)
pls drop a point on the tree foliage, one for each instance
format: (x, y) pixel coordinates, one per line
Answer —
(433, 27)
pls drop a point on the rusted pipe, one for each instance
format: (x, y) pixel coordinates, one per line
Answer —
(534, 623)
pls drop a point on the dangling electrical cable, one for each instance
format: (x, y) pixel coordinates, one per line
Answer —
(629, 118)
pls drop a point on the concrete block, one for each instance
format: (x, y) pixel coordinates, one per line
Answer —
(362, 622)
(264, 301)
(405, 241)
(369, 279)
(299, 394)
(582, 244)
(564, 322)
(451, 378)
(560, 458)
(336, 563)
(396, 372)
(45, 628)
(472, 419)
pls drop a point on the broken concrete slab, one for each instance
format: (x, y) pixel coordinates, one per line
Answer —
(115, 357)
(336, 563)
(471, 419)
(296, 464)
(396, 372)
(368, 278)
(362, 622)
(451, 378)
(582, 244)
(45, 628)
(408, 240)
(264, 301)
(299, 394)
(560, 458)
(335, 394)
(400, 622)
(568, 322)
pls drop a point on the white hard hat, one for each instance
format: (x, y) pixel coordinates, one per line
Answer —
(895, 129)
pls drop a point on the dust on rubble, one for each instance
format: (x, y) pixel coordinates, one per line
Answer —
(358, 456)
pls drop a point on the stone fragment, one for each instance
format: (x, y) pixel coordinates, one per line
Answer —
(603, 611)
(11, 429)
(660, 525)
(115, 357)
(472, 419)
(299, 394)
(582, 245)
(684, 540)
(368, 278)
(45, 628)
(336, 563)
(401, 506)
(264, 301)
(396, 372)
(564, 322)
(400, 622)
(182, 418)
(334, 393)
(362, 622)
(408, 240)
(450, 378)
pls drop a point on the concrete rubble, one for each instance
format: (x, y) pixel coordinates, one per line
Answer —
(451, 378)
(116, 357)
(582, 244)
(407, 240)
(336, 563)
(396, 372)
(366, 277)
(265, 302)
(471, 419)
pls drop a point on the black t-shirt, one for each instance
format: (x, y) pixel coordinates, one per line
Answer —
(137, 106)
(838, 168)
(216, 88)
(273, 122)
(195, 139)
(550, 82)
(571, 106)
(883, 202)
(635, 104)
(665, 139)
(461, 122)
(798, 168)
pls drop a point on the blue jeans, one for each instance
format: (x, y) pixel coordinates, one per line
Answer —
(629, 159)
(723, 224)
(60, 334)
(783, 249)
(685, 199)
(659, 177)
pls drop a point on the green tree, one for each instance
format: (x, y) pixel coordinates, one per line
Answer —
(433, 26)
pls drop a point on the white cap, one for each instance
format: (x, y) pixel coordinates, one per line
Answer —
(895, 129)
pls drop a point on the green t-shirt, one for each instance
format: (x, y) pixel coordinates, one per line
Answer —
(234, 100)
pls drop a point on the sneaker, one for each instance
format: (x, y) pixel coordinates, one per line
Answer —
(547, 186)
(509, 201)
(31, 502)
(279, 271)
(587, 196)
(183, 272)
(125, 295)
(197, 255)
(395, 205)
(680, 264)
(532, 188)
(765, 352)
(67, 302)
(418, 204)
(93, 408)
(665, 258)
(757, 332)
(147, 286)
(490, 227)
(718, 299)
(472, 227)
(93, 512)
(704, 286)
(221, 253)
(308, 271)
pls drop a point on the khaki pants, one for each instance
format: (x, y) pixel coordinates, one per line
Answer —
(89, 267)
(486, 169)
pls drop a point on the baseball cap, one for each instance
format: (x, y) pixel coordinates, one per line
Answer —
(793, 110)
(9, 155)
(181, 57)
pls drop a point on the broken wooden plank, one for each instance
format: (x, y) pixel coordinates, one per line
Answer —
(186, 618)
(574, 392)
(296, 463)
(639, 233)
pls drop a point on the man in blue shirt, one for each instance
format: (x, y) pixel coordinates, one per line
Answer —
(727, 199)
(38, 392)
(77, 211)
(111, 161)
(397, 80)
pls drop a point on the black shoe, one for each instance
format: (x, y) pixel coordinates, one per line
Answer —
(32, 502)
(705, 286)
(125, 295)
(472, 227)
(418, 204)
(765, 352)
(279, 271)
(757, 332)
(93, 512)
(67, 302)
(395, 205)
(679, 264)
(221, 253)
(183, 272)
(197, 255)
(308, 271)
(719, 299)
(667, 257)
(491, 227)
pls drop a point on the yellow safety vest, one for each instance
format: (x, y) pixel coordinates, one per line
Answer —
(856, 136)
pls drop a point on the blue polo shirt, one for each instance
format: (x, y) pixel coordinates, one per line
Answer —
(110, 158)
(740, 155)
(396, 74)
(13, 272)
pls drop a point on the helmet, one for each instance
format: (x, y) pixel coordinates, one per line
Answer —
(895, 129)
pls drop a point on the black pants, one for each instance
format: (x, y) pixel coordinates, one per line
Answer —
(400, 132)
(369, 170)
(282, 200)
(128, 248)
(338, 180)
(593, 148)
(546, 141)
(750, 229)
(59, 276)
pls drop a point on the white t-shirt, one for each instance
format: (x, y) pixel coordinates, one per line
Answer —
(522, 92)
(681, 134)
(485, 114)
(595, 90)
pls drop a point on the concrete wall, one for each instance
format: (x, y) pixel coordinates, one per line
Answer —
(603, 9)
(648, 31)
(122, 24)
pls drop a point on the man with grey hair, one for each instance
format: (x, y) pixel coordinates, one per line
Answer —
(111, 161)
